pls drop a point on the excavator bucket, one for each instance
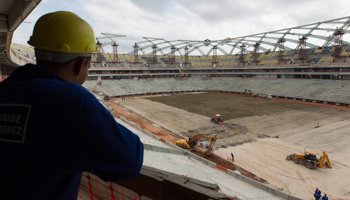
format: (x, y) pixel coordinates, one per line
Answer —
(208, 152)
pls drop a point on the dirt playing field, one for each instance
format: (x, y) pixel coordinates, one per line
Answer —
(228, 106)
(261, 135)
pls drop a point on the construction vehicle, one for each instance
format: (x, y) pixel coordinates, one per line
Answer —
(182, 74)
(310, 160)
(247, 92)
(106, 97)
(217, 119)
(192, 141)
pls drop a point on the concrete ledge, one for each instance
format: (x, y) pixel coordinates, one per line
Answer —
(162, 149)
(261, 186)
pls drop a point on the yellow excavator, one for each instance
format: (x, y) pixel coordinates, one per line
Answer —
(310, 160)
(192, 141)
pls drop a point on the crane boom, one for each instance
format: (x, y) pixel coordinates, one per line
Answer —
(182, 74)
(109, 36)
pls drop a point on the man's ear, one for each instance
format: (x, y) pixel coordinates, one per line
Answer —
(78, 66)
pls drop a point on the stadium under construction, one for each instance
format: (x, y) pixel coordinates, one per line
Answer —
(307, 63)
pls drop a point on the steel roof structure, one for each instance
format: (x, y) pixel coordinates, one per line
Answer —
(268, 41)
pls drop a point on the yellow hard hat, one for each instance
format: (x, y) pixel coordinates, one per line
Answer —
(63, 32)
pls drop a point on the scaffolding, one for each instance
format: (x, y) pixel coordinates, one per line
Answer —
(186, 63)
(98, 55)
(242, 61)
(135, 57)
(256, 54)
(339, 45)
(215, 61)
(281, 51)
(172, 57)
(115, 56)
(302, 50)
(153, 59)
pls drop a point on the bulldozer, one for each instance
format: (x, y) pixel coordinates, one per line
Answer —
(217, 119)
(310, 160)
(192, 141)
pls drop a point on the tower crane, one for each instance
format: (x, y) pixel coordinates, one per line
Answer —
(109, 36)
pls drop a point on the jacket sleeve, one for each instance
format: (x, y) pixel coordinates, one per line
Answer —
(94, 141)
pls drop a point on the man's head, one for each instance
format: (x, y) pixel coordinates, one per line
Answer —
(64, 44)
(74, 70)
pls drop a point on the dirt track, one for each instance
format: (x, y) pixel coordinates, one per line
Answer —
(264, 154)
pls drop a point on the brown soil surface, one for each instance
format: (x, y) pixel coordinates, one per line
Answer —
(262, 141)
(296, 102)
(170, 137)
(229, 106)
(142, 122)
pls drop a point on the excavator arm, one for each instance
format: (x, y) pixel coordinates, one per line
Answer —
(191, 141)
(210, 147)
(212, 142)
(324, 161)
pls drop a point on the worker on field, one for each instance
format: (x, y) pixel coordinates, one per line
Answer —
(318, 191)
(317, 194)
(325, 197)
(51, 128)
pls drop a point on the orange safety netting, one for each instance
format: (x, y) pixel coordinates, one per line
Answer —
(92, 187)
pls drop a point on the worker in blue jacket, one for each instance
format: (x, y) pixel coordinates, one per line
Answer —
(317, 194)
(325, 197)
(318, 191)
(51, 128)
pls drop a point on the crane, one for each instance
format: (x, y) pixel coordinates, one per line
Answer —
(108, 36)
(182, 74)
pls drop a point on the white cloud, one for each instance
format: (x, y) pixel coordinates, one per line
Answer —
(189, 19)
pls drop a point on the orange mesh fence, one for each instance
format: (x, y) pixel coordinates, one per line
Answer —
(3, 77)
(92, 187)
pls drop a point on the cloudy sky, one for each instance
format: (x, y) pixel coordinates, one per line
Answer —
(187, 19)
